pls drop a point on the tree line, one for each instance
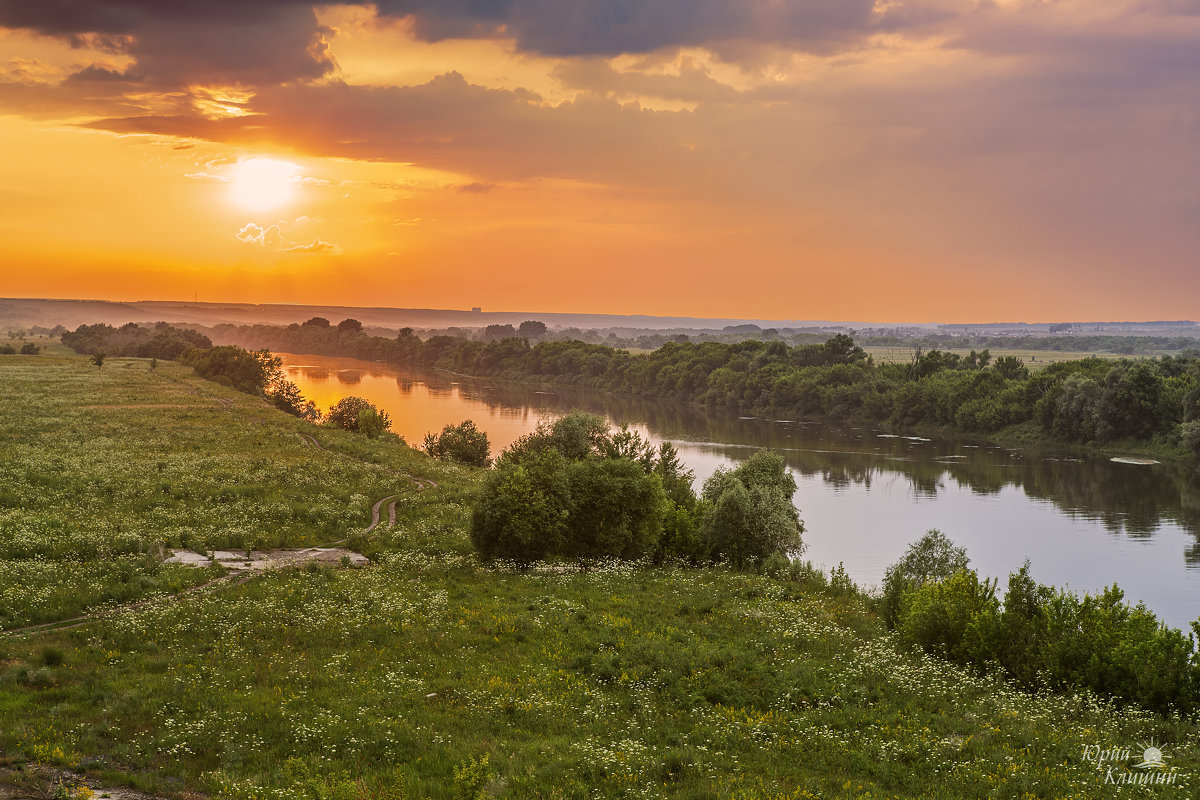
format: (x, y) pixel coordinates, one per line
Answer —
(1091, 400)
(159, 340)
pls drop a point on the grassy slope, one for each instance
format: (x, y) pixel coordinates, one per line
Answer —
(381, 682)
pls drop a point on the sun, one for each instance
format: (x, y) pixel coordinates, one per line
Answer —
(260, 184)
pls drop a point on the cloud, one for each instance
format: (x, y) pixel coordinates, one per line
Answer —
(1032, 131)
(317, 247)
(270, 236)
(609, 27)
(476, 187)
(180, 43)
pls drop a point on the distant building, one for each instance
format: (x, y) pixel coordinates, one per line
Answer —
(477, 310)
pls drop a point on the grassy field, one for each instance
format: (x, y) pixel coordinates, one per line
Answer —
(429, 675)
(1033, 359)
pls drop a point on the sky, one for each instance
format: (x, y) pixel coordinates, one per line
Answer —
(887, 160)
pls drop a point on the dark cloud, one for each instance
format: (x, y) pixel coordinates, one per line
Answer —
(94, 73)
(1051, 135)
(184, 42)
(609, 27)
(231, 35)
(450, 124)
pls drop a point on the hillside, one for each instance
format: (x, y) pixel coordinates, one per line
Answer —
(426, 673)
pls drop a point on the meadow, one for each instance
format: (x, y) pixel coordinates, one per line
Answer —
(429, 674)
(1034, 360)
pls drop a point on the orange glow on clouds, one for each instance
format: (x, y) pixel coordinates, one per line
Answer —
(970, 167)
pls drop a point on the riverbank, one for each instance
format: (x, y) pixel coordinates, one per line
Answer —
(427, 674)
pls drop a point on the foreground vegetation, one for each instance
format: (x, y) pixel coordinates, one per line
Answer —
(432, 674)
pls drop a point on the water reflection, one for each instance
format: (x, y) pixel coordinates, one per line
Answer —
(864, 495)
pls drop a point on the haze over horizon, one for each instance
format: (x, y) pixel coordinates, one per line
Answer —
(942, 160)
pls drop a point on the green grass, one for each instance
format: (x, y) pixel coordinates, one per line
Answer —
(428, 674)
(1033, 359)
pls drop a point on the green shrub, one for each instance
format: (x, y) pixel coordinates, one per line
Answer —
(950, 617)
(463, 443)
(471, 778)
(749, 514)
(932, 557)
(522, 511)
(358, 416)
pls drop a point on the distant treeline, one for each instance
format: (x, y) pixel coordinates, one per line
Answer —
(1078, 343)
(159, 340)
(648, 339)
(1089, 400)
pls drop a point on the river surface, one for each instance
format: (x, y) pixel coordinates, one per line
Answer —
(863, 495)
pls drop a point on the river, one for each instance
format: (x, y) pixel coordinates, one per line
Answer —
(864, 495)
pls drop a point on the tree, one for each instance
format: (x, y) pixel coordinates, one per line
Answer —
(7, 350)
(316, 322)
(358, 416)
(463, 443)
(750, 512)
(615, 509)
(373, 423)
(30, 349)
(522, 511)
(597, 493)
(676, 478)
(494, 333)
(933, 557)
(232, 366)
(1011, 369)
(286, 396)
(348, 326)
(575, 436)
(1189, 434)
(532, 329)
(98, 359)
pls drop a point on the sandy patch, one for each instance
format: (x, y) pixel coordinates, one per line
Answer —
(259, 560)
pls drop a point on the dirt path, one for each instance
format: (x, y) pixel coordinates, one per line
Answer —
(232, 579)
(375, 513)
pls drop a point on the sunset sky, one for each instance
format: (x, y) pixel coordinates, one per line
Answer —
(888, 160)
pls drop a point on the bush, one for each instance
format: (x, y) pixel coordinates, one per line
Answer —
(463, 443)
(522, 511)
(615, 509)
(750, 515)
(1045, 638)
(1189, 434)
(573, 489)
(358, 416)
(30, 349)
(932, 557)
(950, 617)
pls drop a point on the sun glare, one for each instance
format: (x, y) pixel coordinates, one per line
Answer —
(260, 184)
